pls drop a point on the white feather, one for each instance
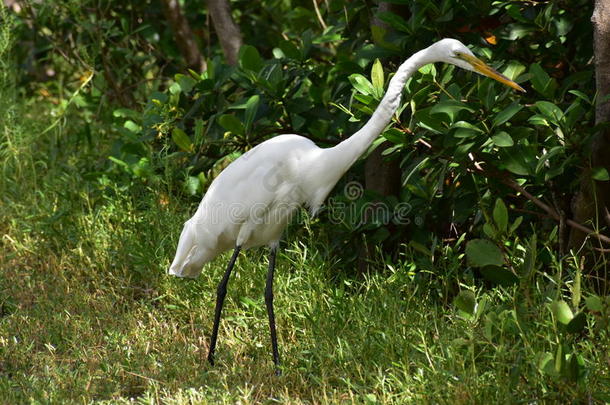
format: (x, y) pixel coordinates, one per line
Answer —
(252, 200)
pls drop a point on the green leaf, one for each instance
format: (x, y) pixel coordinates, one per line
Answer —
(429, 70)
(429, 121)
(545, 363)
(290, 50)
(182, 140)
(142, 168)
(195, 75)
(186, 82)
(550, 111)
(297, 121)
(487, 93)
(467, 125)
(371, 398)
(192, 185)
(594, 303)
(420, 248)
(577, 324)
(361, 84)
(576, 367)
(198, 131)
(251, 110)
(563, 25)
(559, 358)
(465, 133)
(377, 78)
(499, 275)
(515, 225)
(541, 81)
(513, 70)
(175, 88)
(366, 100)
(562, 311)
(330, 34)
(580, 95)
(462, 150)
(395, 136)
(466, 302)
(500, 214)
(548, 155)
(600, 174)
(395, 21)
(507, 113)
(502, 139)
(514, 163)
(451, 108)
(250, 59)
(232, 124)
(481, 252)
(538, 119)
(127, 113)
(132, 126)
(379, 38)
(517, 31)
(119, 162)
(489, 230)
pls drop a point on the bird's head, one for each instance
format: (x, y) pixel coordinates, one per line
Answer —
(190, 254)
(452, 51)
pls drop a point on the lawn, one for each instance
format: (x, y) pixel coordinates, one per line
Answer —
(88, 313)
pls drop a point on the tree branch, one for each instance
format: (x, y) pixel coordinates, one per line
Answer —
(227, 31)
(503, 177)
(185, 39)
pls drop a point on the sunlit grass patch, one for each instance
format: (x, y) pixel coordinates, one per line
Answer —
(88, 313)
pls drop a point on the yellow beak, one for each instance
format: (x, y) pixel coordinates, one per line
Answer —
(481, 67)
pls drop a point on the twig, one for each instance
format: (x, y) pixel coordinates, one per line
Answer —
(318, 14)
(562, 219)
(607, 215)
(65, 109)
(531, 212)
(503, 177)
(476, 164)
(143, 377)
(426, 144)
(512, 184)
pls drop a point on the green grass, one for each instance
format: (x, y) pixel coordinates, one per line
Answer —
(88, 314)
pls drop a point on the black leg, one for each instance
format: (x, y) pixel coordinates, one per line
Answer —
(221, 292)
(269, 302)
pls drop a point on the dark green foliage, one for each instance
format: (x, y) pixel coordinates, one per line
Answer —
(301, 84)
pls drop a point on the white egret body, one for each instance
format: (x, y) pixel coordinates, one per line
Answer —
(251, 201)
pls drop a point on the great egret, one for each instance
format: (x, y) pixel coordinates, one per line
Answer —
(252, 200)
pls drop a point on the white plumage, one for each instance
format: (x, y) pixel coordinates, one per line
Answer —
(267, 185)
(251, 201)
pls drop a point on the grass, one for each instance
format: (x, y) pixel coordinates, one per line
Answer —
(87, 313)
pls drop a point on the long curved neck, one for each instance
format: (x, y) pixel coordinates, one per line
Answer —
(342, 156)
